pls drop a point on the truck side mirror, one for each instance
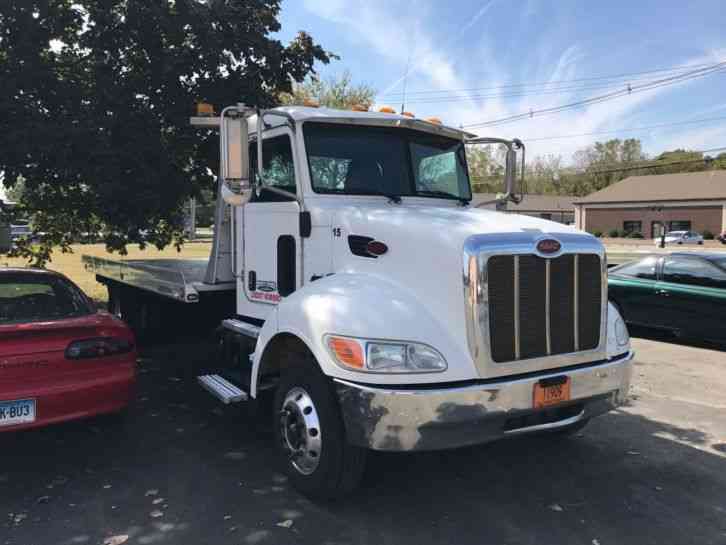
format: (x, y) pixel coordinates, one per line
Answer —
(510, 172)
(235, 158)
(513, 188)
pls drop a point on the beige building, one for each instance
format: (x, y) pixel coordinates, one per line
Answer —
(552, 207)
(693, 201)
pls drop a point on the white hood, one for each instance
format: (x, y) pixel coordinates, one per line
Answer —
(425, 247)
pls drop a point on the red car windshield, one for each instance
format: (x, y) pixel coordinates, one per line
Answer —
(32, 297)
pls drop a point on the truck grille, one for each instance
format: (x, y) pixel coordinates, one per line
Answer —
(541, 307)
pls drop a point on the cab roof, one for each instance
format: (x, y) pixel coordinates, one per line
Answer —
(301, 114)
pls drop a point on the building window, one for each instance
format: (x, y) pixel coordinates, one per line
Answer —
(682, 225)
(633, 226)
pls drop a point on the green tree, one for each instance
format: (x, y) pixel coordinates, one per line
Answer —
(486, 168)
(335, 92)
(15, 192)
(95, 97)
(607, 156)
(686, 161)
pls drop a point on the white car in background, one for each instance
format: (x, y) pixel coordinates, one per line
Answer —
(681, 237)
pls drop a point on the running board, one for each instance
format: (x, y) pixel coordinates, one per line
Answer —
(243, 328)
(222, 389)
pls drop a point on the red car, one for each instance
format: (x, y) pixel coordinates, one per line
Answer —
(60, 358)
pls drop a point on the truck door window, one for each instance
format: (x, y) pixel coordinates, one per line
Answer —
(279, 167)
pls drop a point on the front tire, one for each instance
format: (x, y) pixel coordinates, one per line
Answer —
(310, 435)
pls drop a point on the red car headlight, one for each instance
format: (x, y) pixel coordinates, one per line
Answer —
(98, 347)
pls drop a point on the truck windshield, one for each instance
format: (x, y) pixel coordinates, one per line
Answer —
(356, 160)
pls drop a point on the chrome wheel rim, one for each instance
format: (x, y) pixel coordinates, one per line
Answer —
(300, 431)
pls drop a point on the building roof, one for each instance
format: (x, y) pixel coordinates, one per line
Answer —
(686, 186)
(531, 203)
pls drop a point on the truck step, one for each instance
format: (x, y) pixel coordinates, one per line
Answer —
(243, 328)
(222, 389)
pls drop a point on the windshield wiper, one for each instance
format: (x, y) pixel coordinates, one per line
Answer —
(391, 197)
(444, 195)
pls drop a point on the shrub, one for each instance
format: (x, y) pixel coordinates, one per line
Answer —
(636, 234)
(597, 234)
(613, 233)
(708, 235)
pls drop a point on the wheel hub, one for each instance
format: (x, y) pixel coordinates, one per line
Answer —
(300, 431)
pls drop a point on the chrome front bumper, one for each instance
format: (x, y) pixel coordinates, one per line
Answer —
(432, 418)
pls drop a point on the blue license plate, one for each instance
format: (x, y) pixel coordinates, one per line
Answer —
(20, 411)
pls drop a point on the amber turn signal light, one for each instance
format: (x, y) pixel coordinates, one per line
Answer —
(347, 351)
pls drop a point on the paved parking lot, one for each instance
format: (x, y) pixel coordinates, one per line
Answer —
(183, 470)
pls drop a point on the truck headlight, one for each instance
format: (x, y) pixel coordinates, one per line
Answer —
(621, 332)
(384, 357)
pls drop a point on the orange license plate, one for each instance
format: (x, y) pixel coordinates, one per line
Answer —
(551, 391)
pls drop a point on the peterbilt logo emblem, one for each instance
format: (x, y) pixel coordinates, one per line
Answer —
(548, 246)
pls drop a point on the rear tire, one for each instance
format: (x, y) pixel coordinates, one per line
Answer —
(309, 433)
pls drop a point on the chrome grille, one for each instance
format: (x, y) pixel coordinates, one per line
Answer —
(541, 307)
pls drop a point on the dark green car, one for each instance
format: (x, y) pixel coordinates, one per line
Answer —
(681, 292)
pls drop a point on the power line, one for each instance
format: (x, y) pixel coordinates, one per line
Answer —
(638, 165)
(660, 165)
(680, 68)
(716, 68)
(525, 93)
(632, 129)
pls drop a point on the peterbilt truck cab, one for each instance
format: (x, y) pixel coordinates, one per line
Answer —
(375, 308)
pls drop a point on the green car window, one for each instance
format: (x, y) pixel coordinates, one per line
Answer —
(694, 272)
(645, 268)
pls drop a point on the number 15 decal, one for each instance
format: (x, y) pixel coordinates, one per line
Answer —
(337, 232)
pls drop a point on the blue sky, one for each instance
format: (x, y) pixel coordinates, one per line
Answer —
(468, 44)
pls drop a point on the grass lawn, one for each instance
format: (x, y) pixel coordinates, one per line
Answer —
(72, 266)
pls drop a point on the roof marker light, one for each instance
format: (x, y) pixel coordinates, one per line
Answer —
(310, 103)
(386, 110)
(407, 114)
(434, 120)
(359, 108)
(204, 109)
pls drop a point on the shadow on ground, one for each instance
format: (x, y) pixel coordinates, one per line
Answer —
(183, 470)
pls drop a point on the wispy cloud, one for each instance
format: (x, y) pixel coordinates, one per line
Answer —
(446, 64)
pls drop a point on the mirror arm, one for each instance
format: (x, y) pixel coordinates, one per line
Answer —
(517, 144)
(512, 147)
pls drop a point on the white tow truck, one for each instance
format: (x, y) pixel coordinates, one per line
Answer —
(357, 290)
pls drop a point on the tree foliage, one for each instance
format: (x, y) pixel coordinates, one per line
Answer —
(95, 97)
(486, 168)
(335, 92)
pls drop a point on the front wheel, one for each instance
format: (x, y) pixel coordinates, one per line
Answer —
(310, 435)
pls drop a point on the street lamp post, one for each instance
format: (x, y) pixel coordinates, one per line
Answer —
(659, 208)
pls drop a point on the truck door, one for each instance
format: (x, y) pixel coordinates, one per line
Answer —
(272, 253)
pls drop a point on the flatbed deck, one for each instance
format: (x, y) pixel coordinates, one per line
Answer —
(178, 279)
